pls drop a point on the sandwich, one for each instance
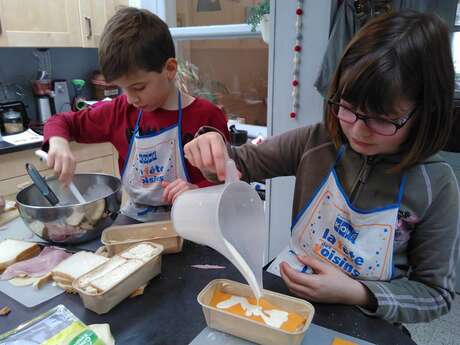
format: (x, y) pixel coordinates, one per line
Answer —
(74, 267)
(12, 251)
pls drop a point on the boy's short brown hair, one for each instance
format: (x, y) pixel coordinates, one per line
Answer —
(134, 39)
(399, 56)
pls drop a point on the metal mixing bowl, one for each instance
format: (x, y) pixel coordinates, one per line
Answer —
(70, 221)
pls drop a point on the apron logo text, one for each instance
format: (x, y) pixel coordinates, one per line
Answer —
(339, 259)
(345, 229)
(146, 158)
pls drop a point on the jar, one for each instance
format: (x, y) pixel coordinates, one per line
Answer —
(12, 121)
(100, 89)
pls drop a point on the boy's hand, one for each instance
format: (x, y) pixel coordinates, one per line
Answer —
(61, 160)
(327, 285)
(175, 188)
(208, 153)
(2, 204)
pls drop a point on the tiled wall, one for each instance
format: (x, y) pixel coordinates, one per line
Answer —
(19, 65)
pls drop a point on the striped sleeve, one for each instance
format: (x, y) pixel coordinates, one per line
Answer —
(428, 289)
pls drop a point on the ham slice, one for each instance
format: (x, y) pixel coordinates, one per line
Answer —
(38, 266)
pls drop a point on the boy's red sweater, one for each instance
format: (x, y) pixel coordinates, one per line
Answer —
(114, 122)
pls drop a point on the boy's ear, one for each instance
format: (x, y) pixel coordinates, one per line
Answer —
(170, 68)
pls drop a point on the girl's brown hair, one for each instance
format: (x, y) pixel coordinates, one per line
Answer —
(134, 39)
(399, 56)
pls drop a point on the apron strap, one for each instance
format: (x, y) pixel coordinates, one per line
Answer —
(138, 121)
(130, 144)
(179, 134)
(339, 154)
(401, 188)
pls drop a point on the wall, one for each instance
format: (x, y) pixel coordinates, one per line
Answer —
(20, 66)
(315, 32)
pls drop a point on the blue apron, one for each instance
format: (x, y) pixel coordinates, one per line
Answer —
(358, 242)
(152, 159)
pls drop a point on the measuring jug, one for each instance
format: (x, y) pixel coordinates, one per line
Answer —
(228, 218)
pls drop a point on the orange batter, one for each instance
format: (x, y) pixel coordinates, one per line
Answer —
(294, 322)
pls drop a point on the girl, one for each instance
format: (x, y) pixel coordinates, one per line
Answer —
(375, 210)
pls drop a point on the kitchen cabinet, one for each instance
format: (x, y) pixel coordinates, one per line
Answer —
(54, 23)
(93, 16)
(46, 23)
(92, 158)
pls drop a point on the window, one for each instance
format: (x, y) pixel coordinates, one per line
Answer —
(230, 73)
(456, 48)
(220, 58)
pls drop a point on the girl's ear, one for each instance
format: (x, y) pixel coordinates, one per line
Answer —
(170, 68)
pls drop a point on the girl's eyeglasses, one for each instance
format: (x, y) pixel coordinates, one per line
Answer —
(375, 124)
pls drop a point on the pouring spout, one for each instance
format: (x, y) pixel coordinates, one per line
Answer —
(231, 173)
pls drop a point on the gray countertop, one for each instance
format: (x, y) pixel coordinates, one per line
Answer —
(168, 312)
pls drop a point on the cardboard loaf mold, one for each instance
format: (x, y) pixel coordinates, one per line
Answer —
(248, 329)
(118, 238)
(107, 285)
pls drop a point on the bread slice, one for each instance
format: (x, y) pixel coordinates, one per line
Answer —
(101, 271)
(67, 288)
(143, 251)
(118, 274)
(77, 265)
(59, 279)
(12, 251)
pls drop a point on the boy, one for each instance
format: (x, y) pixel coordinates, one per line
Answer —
(148, 125)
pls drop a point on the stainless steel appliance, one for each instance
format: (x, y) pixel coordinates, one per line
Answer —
(70, 221)
(61, 96)
(43, 108)
(42, 89)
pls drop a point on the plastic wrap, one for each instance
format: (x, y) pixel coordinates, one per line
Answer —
(57, 326)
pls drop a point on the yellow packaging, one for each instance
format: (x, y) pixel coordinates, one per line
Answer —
(75, 334)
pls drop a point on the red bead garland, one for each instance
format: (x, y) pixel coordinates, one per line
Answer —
(297, 51)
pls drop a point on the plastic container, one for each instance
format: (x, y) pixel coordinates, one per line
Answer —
(229, 218)
(12, 122)
(249, 329)
(103, 302)
(118, 238)
(100, 89)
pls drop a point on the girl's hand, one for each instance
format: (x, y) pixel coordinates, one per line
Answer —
(175, 188)
(61, 160)
(326, 285)
(208, 153)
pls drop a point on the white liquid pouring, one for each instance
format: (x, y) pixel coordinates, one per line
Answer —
(274, 318)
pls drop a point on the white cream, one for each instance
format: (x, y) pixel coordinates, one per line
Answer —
(274, 318)
(245, 270)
